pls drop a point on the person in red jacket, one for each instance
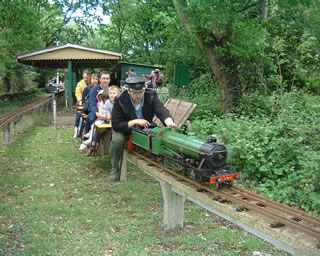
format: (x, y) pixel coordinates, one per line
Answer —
(155, 79)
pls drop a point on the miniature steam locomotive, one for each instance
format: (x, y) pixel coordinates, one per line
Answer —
(186, 154)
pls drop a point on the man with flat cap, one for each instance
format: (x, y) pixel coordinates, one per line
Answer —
(135, 106)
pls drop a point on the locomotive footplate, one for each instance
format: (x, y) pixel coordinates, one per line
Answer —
(224, 178)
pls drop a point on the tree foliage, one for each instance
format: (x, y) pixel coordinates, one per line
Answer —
(19, 31)
(274, 144)
(31, 25)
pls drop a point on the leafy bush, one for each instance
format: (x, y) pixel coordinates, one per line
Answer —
(202, 91)
(255, 104)
(276, 147)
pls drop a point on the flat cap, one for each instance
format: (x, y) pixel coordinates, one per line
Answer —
(136, 84)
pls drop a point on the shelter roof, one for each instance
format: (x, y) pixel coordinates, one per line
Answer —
(82, 56)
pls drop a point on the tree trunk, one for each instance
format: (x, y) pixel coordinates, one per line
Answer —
(264, 12)
(227, 81)
(6, 82)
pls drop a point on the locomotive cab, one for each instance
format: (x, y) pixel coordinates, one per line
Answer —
(142, 137)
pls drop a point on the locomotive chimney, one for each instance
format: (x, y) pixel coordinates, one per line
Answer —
(213, 138)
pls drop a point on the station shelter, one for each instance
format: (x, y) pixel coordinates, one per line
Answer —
(72, 58)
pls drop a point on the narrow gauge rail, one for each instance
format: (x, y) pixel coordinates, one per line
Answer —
(293, 213)
(9, 117)
(246, 200)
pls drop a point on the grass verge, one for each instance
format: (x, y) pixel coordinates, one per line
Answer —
(56, 201)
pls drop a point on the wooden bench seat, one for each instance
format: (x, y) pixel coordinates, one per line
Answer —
(105, 139)
(79, 109)
(103, 127)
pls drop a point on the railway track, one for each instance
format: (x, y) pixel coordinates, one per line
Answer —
(7, 118)
(278, 215)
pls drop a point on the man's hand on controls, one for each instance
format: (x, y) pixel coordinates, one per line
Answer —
(169, 123)
(142, 122)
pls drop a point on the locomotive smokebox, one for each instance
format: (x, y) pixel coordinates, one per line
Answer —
(216, 153)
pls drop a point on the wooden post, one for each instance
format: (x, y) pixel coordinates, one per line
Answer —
(30, 119)
(7, 132)
(101, 147)
(124, 166)
(35, 114)
(173, 206)
(173, 202)
(69, 85)
(19, 125)
(105, 142)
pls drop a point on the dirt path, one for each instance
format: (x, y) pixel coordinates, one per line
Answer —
(65, 118)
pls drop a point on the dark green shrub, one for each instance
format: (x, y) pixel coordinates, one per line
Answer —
(254, 104)
(202, 91)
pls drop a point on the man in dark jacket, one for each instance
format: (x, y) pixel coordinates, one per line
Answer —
(93, 109)
(135, 106)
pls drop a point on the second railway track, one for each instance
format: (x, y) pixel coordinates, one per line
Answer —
(20, 111)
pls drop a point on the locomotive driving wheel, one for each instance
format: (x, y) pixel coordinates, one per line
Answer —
(166, 162)
(172, 164)
(228, 184)
(215, 186)
(190, 173)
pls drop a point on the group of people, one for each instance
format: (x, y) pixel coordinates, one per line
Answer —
(134, 105)
(96, 100)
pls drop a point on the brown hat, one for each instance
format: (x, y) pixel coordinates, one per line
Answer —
(156, 70)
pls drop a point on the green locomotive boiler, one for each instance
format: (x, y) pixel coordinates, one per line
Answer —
(186, 154)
